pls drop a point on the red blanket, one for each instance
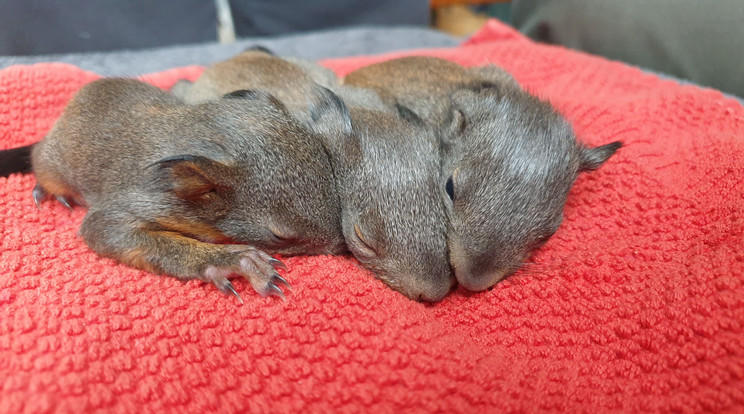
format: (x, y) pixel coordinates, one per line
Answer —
(636, 304)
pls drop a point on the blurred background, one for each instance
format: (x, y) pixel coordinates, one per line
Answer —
(688, 39)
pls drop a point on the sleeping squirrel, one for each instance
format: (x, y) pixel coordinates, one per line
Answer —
(386, 166)
(508, 158)
(193, 191)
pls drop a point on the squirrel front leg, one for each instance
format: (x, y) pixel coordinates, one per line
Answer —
(162, 250)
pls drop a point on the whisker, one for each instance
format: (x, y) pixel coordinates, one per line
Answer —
(534, 269)
(529, 271)
(532, 272)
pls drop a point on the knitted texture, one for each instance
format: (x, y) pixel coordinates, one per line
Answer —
(635, 305)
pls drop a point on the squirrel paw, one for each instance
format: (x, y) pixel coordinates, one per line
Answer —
(256, 266)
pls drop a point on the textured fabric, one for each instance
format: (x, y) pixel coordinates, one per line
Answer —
(635, 305)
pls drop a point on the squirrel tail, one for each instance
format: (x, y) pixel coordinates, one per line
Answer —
(15, 160)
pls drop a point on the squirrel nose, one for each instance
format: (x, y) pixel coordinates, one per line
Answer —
(437, 291)
(469, 278)
(478, 281)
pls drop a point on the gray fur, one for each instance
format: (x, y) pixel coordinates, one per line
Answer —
(148, 167)
(508, 158)
(291, 80)
(393, 217)
(386, 168)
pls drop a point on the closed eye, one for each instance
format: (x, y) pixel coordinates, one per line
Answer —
(362, 246)
(279, 237)
(275, 238)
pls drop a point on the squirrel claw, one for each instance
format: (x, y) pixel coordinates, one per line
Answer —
(63, 200)
(277, 264)
(217, 277)
(274, 290)
(38, 194)
(283, 281)
(230, 289)
(227, 288)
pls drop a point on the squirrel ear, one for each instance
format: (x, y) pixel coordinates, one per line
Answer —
(483, 86)
(470, 96)
(329, 113)
(494, 74)
(464, 102)
(593, 158)
(256, 94)
(188, 176)
(240, 94)
(453, 126)
(408, 115)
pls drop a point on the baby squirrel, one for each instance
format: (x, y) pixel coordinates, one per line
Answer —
(508, 159)
(386, 166)
(292, 81)
(169, 185)
(393, 216)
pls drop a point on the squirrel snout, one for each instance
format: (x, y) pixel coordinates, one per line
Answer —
(475, 275)
(436, 291)
(477, 281)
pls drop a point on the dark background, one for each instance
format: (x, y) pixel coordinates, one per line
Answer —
(35, 27)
